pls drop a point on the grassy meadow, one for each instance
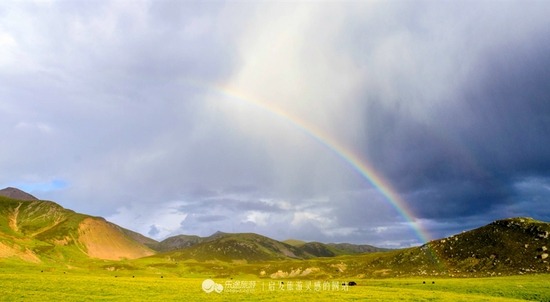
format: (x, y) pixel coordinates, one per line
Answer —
(55, 284)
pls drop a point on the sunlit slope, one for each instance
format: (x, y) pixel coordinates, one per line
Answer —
(104, 241)
(35, 230)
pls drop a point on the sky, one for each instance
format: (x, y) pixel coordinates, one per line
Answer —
(382, 123)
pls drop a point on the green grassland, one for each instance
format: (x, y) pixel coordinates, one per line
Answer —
(20, 283)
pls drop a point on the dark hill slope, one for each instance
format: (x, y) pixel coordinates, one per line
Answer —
(504, 247)
(246, 247)
(509, 246)
(179, 242)
(357, 248)
(135, 236)
(318, 249)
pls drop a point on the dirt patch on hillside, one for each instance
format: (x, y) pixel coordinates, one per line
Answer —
(12, 222)
(106, 242)
(63, 241)
(7, 251)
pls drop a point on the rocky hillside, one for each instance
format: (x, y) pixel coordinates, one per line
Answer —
(509, 246)
(14, 193)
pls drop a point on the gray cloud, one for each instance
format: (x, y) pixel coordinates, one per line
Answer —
(189, 118)
(153, 232)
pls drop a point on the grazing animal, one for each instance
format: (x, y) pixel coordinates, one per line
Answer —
(352, 283)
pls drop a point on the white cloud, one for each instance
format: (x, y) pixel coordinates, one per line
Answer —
(40, 127)
(140, 216)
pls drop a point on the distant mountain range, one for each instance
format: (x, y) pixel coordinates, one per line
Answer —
(37, 231)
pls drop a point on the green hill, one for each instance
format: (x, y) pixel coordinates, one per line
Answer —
(38, 230)
(319, 249)
(179, 242)
(505, 247)
(294, 242)
(245, 247)
(357, 248)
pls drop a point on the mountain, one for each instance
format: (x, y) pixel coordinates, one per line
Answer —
(357, 248)
(319, 249)
(508, 246)
(136, 236)
(504, 247)
(15, 193)
(300, 249)
(179, 242)
(34, 230)
(294, 242)
(241, 247)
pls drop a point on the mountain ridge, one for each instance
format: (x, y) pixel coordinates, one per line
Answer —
(15, 193)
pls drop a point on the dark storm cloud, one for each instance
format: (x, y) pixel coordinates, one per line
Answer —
(480, 141)
(179, 117)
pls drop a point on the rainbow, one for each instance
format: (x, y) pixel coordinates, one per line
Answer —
(351, 158)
